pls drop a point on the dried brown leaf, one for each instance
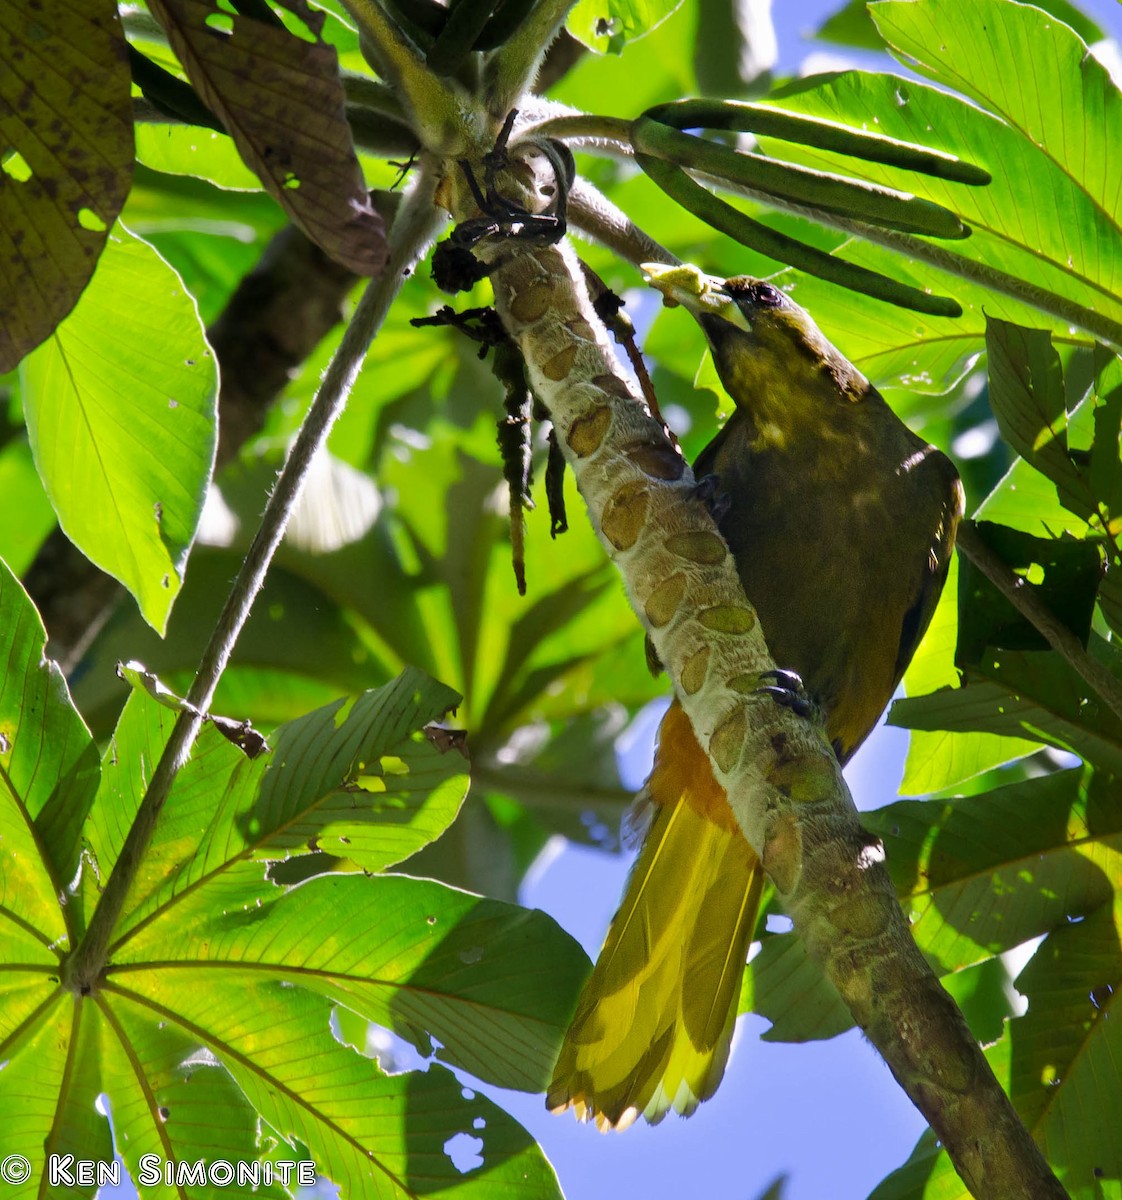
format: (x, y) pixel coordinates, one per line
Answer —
(281, 99)
(66, 155)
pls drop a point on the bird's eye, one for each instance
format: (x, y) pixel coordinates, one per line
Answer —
(765, 295)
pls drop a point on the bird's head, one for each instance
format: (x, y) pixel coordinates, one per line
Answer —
(768, 351)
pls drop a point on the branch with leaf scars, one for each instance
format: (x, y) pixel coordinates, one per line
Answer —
(781, 777)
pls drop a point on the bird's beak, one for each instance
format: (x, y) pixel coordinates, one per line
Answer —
(722, 330)
(704, 295)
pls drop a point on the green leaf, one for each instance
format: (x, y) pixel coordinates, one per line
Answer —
(281, 98)
(419, 572)
(1058, 1062)
(507, 654)
(238, 733)
(938, 760)
(1080, 21)
(610, 25)
(984, 994)
(852, 26)
(198, 833)
(1105, 470)
(50, 1083)
(1063, 574)
(1066, 1051)
(942, 42)
(656, 66)
(359, 779)
(977, 876)
(364, 780)
(170, 1099)
(774, 1191)
(211, 1024)
(22, 490)
(1068, 137)
(29, 907)
(923, 1175)
(1033, 693)
(65, 160)
(374, 1135)
(1011, 694)
(1027, 500)
(140, 679)
(189, 150)
(1027, 395)
(555, 612)
(493, 983)
(48, 771)
(1028, 399)
(571, 781)
(1039, 231)
(983, 874)
(783, 984)
(120, 407)
(296, 634)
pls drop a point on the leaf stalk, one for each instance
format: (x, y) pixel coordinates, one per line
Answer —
(415, 226)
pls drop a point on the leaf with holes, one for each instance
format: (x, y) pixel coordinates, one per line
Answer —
(281, 99)
(211, 1030)
(785, 985)
(66, 158)
(982, 874)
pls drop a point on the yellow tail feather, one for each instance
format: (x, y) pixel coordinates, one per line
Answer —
(655, 1019)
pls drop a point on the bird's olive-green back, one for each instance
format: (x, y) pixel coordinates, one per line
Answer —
(840, 518)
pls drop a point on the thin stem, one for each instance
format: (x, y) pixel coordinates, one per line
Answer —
(436, 106)
(362, 90)
(415, 225)
(590, 131)
(380, 135)
(1039, 615)
(986, 276)
(590, 211)
(511, 69)
(938, 255)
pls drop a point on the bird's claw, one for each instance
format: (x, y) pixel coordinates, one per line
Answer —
(788, 691)
(705, 489)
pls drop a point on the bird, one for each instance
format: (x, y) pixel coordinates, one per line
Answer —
(842, 524)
